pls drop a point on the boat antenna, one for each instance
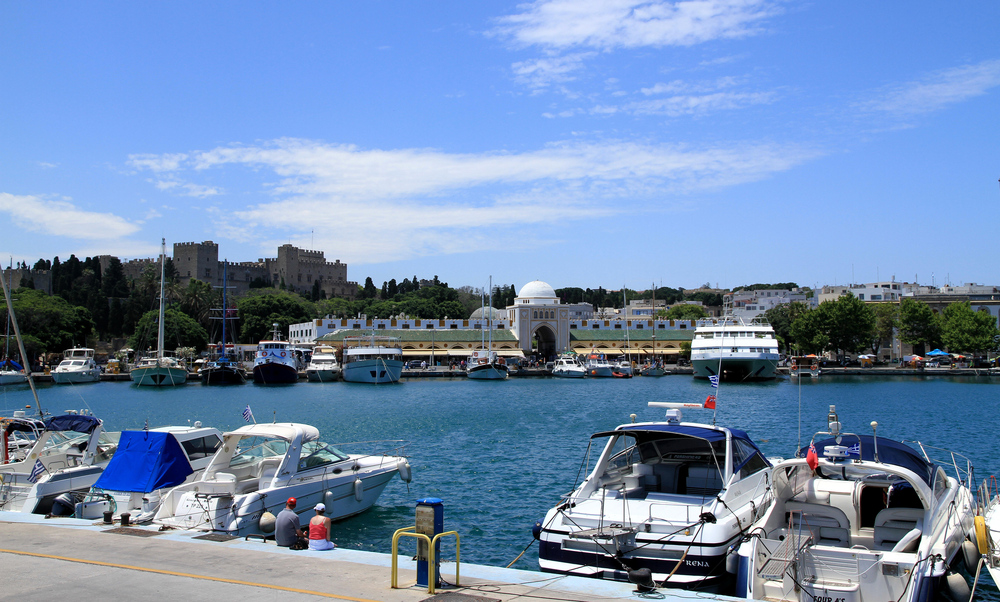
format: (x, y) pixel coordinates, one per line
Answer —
(875, 437)
(20, 343)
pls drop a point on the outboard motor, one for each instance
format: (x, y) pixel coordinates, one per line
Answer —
(64, 505)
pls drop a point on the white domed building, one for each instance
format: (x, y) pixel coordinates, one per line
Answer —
(541, 322)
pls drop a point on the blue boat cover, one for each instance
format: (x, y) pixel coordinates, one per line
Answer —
(72, 422)
(145, 461)
(16, 365)
(889, 452)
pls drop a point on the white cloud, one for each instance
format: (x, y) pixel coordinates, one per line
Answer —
(542, 72)
(62, 218)
(157, 163)
(675, 106)
(938, 90)
(186, 188)
(378, 205)
(47, 165)
(609, 24)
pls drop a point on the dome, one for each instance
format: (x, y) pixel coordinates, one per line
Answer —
(491, 312)
(537, 289)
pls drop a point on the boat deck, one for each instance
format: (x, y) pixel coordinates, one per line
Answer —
(66, 558)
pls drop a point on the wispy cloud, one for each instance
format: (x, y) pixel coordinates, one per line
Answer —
(609, 24)
(47, 165)
(937, 90)
(186, 188)
(376, 205)
(62, 218)
(156, 163)
(542, 72)
(689, 98)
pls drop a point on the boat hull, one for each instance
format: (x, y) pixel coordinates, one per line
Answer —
(569, 373)
(223, 375)
(735, 368)
(373, 371)
(488, 372)
(601, 371)
(12, 378)
(160, 376)
(323, 376)
(76, 377)
(274, 373)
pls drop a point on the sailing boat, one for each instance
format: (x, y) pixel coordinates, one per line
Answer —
(655, 366)
(623, 367)
(223, 370)
(484, 364)
(159, 371)
(11, 373)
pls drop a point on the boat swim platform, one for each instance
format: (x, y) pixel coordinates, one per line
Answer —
(63, 558)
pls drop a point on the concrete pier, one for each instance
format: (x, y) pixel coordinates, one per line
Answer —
(48, 559)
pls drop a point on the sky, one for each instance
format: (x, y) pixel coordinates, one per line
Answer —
(583, 143)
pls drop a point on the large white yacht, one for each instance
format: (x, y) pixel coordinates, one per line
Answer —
(323, 366)
(373, 359)
(735, 350)
(567, 366)
(661, 507)
(77, 366)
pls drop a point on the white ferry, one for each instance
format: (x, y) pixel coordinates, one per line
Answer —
(735, 350)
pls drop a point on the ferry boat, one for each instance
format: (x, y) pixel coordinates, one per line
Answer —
(662, 507)
(861, 517)
(735, 350)
(275, 361)
(259, 466)
(323, 366)
(77, 366)
(373, 359)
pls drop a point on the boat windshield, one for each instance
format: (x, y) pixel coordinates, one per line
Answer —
(254, 449)
(317, 453)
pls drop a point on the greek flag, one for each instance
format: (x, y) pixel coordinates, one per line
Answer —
(247, 414)
(36, 471)
(714, 379)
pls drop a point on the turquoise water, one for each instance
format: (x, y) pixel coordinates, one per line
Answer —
(501, 453)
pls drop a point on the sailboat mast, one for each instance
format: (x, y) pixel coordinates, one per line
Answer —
(225, 306)
(489, 323)
(160, 330)
(6, 335)
(20, 343)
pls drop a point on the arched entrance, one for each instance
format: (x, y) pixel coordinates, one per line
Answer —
(544, 342)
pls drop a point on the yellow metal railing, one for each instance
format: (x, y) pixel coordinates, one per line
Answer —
(431, 565)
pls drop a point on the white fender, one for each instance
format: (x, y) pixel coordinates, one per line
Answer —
(266, 523)
(970, 554)
(957, 586)
(359, 489)
(405, 472)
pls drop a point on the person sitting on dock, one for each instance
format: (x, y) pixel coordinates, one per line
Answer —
(319, 530)
(287, 530)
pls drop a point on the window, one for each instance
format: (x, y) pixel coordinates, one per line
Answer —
(202, 447)
(406, 326)
(208, 272)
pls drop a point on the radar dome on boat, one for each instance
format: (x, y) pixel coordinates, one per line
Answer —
(536, 289)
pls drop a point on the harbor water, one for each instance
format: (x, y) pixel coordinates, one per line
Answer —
(499, 454)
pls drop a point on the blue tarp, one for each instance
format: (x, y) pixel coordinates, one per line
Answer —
(72, 422)
(889, 452)
(145, 461)
(16, 365)
(937, 352)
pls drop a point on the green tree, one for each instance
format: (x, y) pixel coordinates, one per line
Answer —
(886, 322)
(686, 311)
(52, 324)
(848, 323)
(809, 333)
(263, 307)
(781, 317)
(179, 330)
(918, 325)
(370, 292)
(967, 331)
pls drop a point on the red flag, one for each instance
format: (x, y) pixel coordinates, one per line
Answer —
(710, 402)
(812, 458)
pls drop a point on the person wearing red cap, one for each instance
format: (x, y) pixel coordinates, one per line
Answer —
(287, 530)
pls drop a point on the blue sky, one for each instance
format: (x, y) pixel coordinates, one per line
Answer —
(581, 142)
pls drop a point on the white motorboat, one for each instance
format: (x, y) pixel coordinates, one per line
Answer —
(260, 466)
(77, 366)
(373, 359)
(662, 507)
(735, 350)
(19, 436)
(860, 517)
(160, 370)
(567, 366)
(146, 464)
(323, 367)
(987, 523)
(597, 365)
(12, 373)
(276, 362)
(72, 450)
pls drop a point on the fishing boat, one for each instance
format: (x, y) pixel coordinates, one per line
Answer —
(860, 517)
(224, 369)
(484, 363)
(275, 362)
(662, 506)
(735, 350)
(145, 465)
(78, 366)
(597, 365)
(67, 458)
(323, 366)
(567, 366)
(259, 466)
(160, 370)
(374, 359)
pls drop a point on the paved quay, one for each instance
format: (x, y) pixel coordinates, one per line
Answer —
(62, 558)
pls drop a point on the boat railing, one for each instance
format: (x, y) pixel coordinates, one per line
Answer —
(987, 493)
(961, 464)
(380, 447)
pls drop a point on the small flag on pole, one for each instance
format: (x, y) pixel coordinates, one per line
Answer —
(36, 471)
(248, 415)
(710, 402)
(714, 379)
